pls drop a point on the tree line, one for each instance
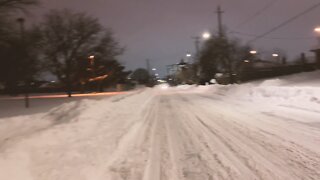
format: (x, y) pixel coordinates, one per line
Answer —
(72, 46)
(226, 60)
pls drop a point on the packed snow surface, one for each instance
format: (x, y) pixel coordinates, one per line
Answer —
(262, 130)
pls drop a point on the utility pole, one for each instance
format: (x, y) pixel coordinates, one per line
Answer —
(220, 28)
(149, 71)
(220, 31)
(197, 46)
(148, 66)
(197, 56)
(22, 34)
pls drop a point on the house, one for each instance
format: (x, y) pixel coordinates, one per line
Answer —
(316, 50)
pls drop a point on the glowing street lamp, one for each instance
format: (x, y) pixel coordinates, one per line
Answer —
(276, 57)
(317, 29)
(91, 59)
(206, 35)
(253, 52)
(188, 55)
(154, 69)
(246, 61)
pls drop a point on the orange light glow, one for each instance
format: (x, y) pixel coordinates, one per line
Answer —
(64, 95)
(317, 29)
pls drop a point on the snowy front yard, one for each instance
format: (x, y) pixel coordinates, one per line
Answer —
(261, 130)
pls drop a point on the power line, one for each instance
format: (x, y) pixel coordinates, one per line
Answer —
(257, 14)
(286, 22)
(275, 38)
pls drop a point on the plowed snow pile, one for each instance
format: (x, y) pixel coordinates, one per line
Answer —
(299, 90)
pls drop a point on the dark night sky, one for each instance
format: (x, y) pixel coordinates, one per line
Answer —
(161, 30)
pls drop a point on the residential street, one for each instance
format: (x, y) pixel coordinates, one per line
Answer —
(159, 90)
(163, 134)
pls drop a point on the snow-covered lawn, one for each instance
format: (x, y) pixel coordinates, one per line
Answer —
(260, 130)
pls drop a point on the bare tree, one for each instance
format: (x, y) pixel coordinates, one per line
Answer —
(222, 55)
(69, 38)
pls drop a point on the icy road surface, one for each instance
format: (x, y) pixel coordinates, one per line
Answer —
(156, 134)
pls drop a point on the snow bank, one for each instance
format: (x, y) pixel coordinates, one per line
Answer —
(306, 79)
(299, 90)
(297, 96)
(73, 137)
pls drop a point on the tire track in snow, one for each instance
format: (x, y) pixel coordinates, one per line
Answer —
(130, 158)
(298, 158)
(198, 159)
(291, 153)
(222, 134)
(184, 151)
(220, 142)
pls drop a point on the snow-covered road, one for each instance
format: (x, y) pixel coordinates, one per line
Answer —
(156, 134)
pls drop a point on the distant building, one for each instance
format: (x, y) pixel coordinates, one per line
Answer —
(259, 64)
(316, 50)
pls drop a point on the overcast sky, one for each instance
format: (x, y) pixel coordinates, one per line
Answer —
(161, 30)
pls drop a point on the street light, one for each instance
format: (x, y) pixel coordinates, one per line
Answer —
(206, 35)
(188, 56)
(154, 69)
(276, 57)
(197, 41)
(253, 52)
(317, 29)
(246, 61)
(91, 60)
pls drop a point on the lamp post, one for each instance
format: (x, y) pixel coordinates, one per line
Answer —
(21, 22)
(91, 63)
(156, 75)
(317, 31)
(93, 70)
(91, 60)
(276, 57)
(188, 57)
(316, 50)
(197, 39)
(254, 54)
